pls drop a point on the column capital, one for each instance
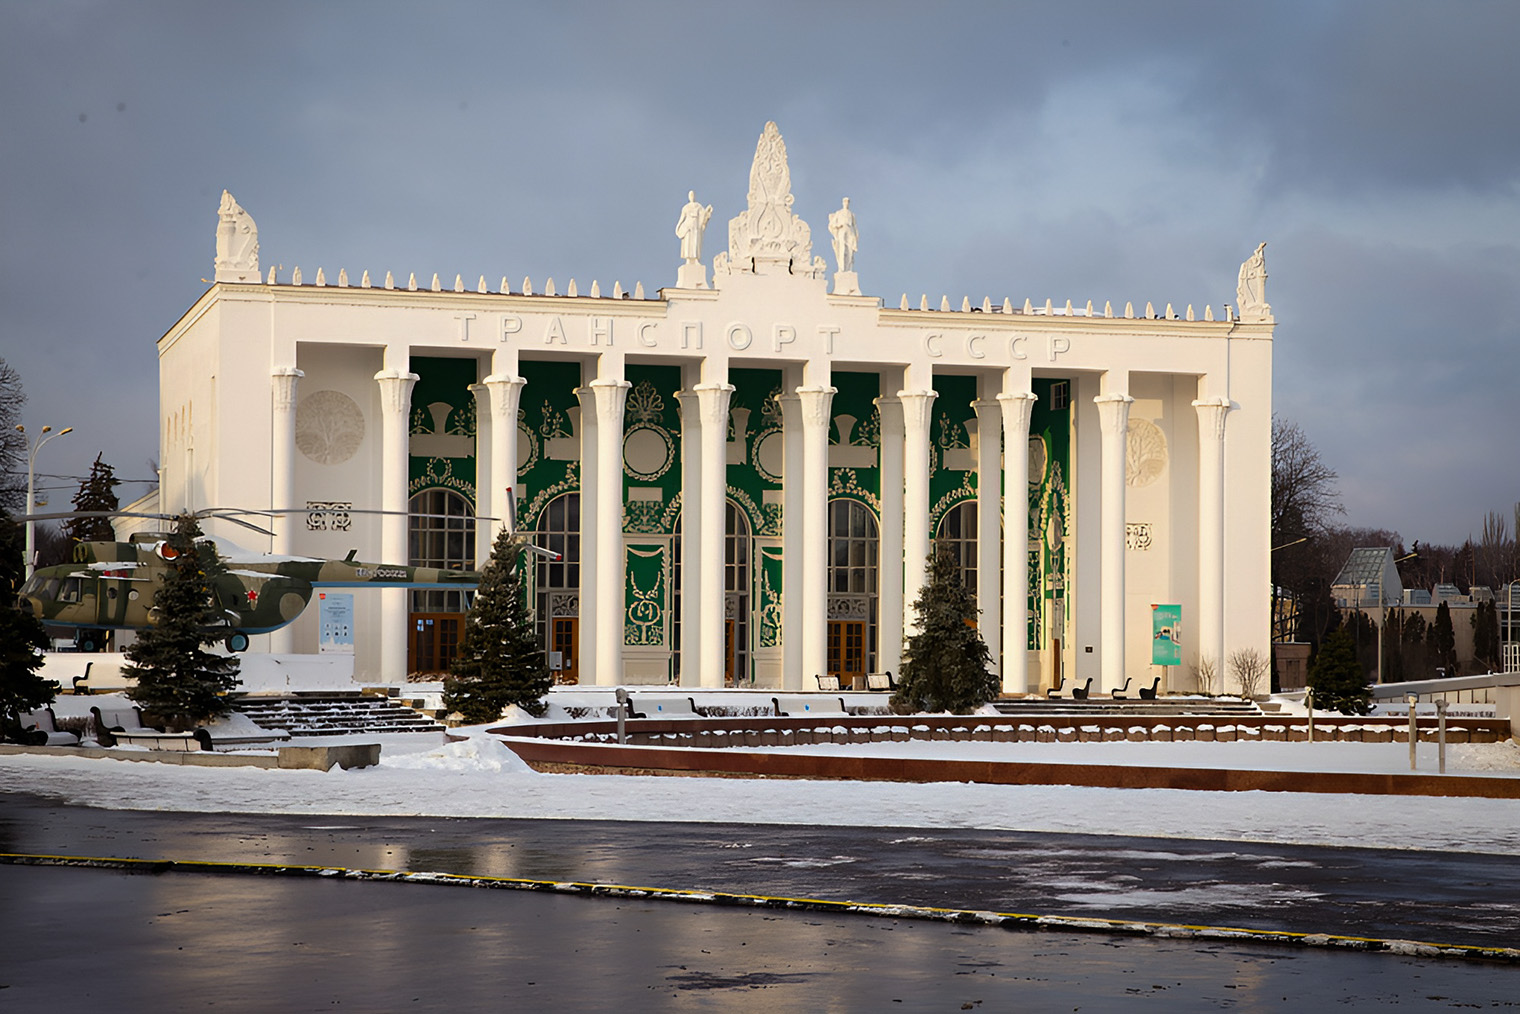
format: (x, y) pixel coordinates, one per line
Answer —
(816, 402)
(1017, 407)
(712, 403)
(1212, 415)
(917, 406)
(396, 389)
(286, 379)
(1113, 413)
(610, 397)
(503, 380)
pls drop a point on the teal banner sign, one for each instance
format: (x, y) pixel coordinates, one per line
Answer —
(1166, 635)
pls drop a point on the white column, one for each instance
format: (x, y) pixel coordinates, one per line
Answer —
(611, 393)
(395, 459)
(712, 401)
(691, 538)
(1113, 421)
(485, 532)
(506, 396)
(890, 619)
(282, 479)
(815, 404)
(918, 413)
(1017, 406)
(793, 531)
(989, 502)
(586, 597)
(1212, 414)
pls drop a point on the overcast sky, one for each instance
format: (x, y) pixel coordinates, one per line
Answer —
(1120, 151)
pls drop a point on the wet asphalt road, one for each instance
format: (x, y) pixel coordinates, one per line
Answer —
(1433, 897)
(94, 940)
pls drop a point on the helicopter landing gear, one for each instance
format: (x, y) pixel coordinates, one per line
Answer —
(237, 642)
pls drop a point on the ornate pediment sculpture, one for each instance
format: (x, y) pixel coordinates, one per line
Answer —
(768, 238)
(1251, 289)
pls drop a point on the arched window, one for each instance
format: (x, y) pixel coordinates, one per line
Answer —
(957, 532)
(441, 533)
(557, 584)
(854, 551)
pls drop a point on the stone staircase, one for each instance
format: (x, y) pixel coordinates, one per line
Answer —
(335, 713)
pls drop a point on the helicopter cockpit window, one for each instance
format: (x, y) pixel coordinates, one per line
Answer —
(70, 591)
(32, 584)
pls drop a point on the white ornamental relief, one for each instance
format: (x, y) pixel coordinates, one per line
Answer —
(329, 427)
(1145, 453)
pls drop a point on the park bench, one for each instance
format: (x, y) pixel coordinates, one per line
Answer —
(110, 723)
(236, 730)
(661, 706)
(1078, 693)
(1150, 694)
(40, 728)
(808, 705)
(880, 681)
(827, 682)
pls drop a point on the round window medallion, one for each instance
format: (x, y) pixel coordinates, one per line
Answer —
(648, 452)
(1145, 453)
(1037, 460)
(770, 456)
(329, 427)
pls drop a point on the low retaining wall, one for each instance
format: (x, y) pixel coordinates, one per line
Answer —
(321, 758)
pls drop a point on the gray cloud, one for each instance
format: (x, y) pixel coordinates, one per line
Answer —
(1103, 150)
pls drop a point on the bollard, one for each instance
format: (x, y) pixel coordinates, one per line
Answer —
(1441, 733)
(1414, 732)
(622, 712)
(1309, 703)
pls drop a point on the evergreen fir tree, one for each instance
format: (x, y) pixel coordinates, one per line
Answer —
(1337, 678)
(178, 683)
(945, 663)
(96, 493)
(500, 660)
(22, 639)
(1443, 640)
(1485, 624)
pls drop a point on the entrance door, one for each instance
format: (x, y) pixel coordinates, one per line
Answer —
(847, 650)
(434, 642)
(564, 634)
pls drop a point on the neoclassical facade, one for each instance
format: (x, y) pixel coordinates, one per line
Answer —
(746, 471)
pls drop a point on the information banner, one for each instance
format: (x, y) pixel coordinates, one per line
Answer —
(335, 616)
(1166, 635)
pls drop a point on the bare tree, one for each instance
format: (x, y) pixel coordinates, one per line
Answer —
(12, 443)
(1250, 669)
(1205, 673)
(1304, 499)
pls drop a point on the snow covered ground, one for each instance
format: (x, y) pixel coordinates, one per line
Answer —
(421, 775)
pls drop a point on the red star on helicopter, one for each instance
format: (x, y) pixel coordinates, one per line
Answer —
(253, 597)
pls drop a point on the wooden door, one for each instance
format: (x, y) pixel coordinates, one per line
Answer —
(728, 653)
(564, 637)
(434, 642)
(847, 650)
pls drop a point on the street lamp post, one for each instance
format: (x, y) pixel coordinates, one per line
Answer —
(31, 487)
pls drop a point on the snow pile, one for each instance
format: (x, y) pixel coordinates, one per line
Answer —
(1503, 756)
(478, 753)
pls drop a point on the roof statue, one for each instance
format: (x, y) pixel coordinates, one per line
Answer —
(689, 228)
(237, 243)
(767, 235)
(1251, 289)
(846, 240)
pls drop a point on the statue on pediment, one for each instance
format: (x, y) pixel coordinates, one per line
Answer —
(1251, 288)
(691, 225)
(237, 243)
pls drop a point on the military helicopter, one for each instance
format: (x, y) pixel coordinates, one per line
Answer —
(111, 585)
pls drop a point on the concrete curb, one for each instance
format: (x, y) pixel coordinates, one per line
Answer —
(319, 758)
(972, 917)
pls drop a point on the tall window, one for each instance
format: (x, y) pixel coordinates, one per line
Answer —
(957, 532)
(441, 534)
(559, 530)
(854, 551)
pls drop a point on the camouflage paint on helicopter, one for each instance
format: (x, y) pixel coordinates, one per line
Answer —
(112, 584)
